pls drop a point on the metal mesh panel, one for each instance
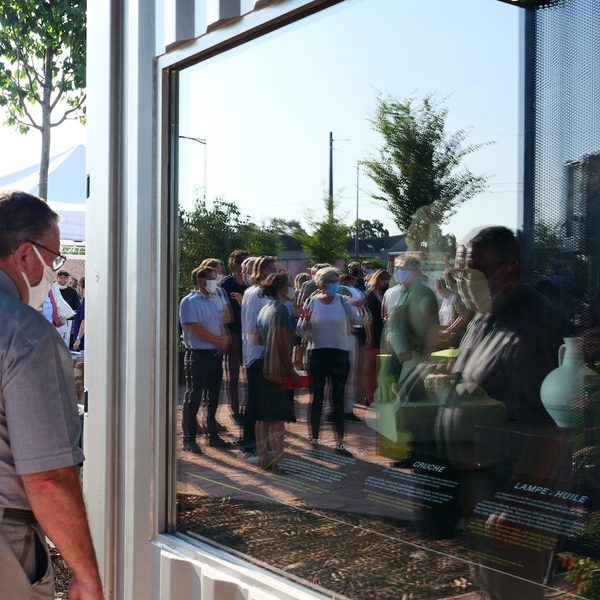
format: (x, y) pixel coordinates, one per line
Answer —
(566, 141)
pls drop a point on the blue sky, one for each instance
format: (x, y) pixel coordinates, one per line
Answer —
(266, 109)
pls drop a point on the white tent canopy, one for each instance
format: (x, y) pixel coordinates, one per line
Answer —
(66, 189)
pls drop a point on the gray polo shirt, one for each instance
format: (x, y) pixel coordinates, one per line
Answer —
(204, 310)
(39, 423)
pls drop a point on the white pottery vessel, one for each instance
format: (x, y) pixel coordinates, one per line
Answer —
(564, 390)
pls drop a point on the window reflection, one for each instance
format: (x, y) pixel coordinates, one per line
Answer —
(379, 413)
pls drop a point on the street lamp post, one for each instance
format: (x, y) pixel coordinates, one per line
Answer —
(204, 143)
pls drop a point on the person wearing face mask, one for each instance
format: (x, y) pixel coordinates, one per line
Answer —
(309, 287)
(451, 333)
(67, 292)
(515, 329)
(355, 270)
(40, 493)
(412, 326)
(206, 339)
(234, 287)
(509, 347)
(380, 282)
(391, 298)
(71, 297)
(253, 348)
(325, 321)
(221, 295)
(275, 407)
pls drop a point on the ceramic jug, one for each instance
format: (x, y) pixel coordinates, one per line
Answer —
(565, 389)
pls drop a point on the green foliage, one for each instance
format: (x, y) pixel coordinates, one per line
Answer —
(550, 258)
(214, 233)
(418, 168)
(584, 573)
(291, 227)
(43, 44)
(370, 229)
(42, 66)
(260, 240)
(327, 243)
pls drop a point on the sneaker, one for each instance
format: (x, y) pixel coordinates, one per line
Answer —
(342, 450)
(250, 458)
(352, 418)
(214, 441)
(189, 446)
(238, 419)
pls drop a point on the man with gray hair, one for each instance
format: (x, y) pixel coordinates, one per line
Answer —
(40, 493)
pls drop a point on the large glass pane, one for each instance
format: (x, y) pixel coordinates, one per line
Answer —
(423, 449)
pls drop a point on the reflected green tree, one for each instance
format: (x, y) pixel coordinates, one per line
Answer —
(418, 169)
(370, 229)
(291, 227)
(214, 232)
(327, 242)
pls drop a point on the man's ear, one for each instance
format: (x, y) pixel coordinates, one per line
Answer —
(22, 256)
(26, 260)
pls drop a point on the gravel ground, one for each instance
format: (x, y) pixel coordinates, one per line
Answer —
(357, 556)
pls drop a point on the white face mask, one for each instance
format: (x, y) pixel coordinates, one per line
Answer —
(211, 285)
(402, 276)
(219, 279)
(38, 292)
(291, 293)
(474, 290)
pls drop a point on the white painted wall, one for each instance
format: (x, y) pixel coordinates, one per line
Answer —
(130, 45)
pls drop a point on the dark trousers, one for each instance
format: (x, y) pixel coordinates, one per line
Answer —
(234, 359)
(254, 372)
(332, 364)
(203, 375)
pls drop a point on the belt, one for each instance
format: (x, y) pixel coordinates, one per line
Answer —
(20, 514)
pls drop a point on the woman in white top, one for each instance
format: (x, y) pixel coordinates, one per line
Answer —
(327, 319)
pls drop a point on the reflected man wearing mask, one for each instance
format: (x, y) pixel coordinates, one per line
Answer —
(413, 325)
(205, 338)
(509, 347)
(512, 341)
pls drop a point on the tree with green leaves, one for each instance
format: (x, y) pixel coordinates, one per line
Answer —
(327, 242)
(370, 229)
(42, 67)
(418, 168)
(214, 233)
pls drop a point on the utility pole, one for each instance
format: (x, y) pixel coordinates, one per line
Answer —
(331, 165)
(356, 228)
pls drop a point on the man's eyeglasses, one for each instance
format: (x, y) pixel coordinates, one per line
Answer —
(59, 259)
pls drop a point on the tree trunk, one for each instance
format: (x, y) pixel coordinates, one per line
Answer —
(46, 126)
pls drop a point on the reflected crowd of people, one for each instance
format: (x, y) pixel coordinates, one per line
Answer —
(361, 334)
(362, 337)
(445, 357)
